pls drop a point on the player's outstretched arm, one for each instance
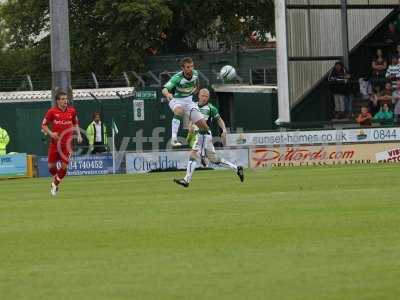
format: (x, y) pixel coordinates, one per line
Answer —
(221, 125)
(170, 86)
(78, 133)
(48, 118)
(46, 130)
(167, 94)
(197, 88)
(76, 128)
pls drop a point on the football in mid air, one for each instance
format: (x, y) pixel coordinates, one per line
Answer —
(227, 73)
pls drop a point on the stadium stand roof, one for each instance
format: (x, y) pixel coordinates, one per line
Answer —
(78, 94)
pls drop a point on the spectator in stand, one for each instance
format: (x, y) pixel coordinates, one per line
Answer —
(384, 116)
(397, 52)
(373, 103)
(387, 95)
(365, 88)
(378, 53)
(393, 71)
(364, 118)
(391, 36)
(397, 23)
(338, 79)
(396, 102)
(379, 67)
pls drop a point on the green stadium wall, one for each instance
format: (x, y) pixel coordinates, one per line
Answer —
(23, 120)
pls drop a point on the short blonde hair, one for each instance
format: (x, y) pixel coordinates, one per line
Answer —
(204, 90)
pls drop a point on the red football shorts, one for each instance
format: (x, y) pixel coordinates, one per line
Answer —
(59, 152)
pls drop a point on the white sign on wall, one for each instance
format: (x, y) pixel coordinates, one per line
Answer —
(360, 135)
(150, 161)
(392, 155)
(138, 110)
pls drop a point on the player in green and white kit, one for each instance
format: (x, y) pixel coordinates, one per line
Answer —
(203, 147)
(179, 91)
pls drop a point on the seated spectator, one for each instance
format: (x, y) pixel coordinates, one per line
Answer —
(396, 102)
(373, 103)
(365, 88)
(397, 52)
(393, 71)
(384, 116)
(378, 70)
(338, 79)
(379, 67)
(391, 35)
(364, 118)
(387, 95)
(378, 54)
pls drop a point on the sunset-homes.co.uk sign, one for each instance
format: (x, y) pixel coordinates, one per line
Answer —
(314, 137)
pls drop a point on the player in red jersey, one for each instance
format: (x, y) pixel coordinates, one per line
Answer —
(64, 122)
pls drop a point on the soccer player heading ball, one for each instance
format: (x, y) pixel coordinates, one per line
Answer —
(179, 91)
(64, 122)
(202, 145)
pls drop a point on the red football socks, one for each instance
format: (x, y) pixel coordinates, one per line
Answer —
(60, 175)
(53, 171)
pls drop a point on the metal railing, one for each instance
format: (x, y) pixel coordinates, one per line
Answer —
(153, 78)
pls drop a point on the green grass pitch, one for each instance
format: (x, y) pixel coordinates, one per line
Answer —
(299, 233)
